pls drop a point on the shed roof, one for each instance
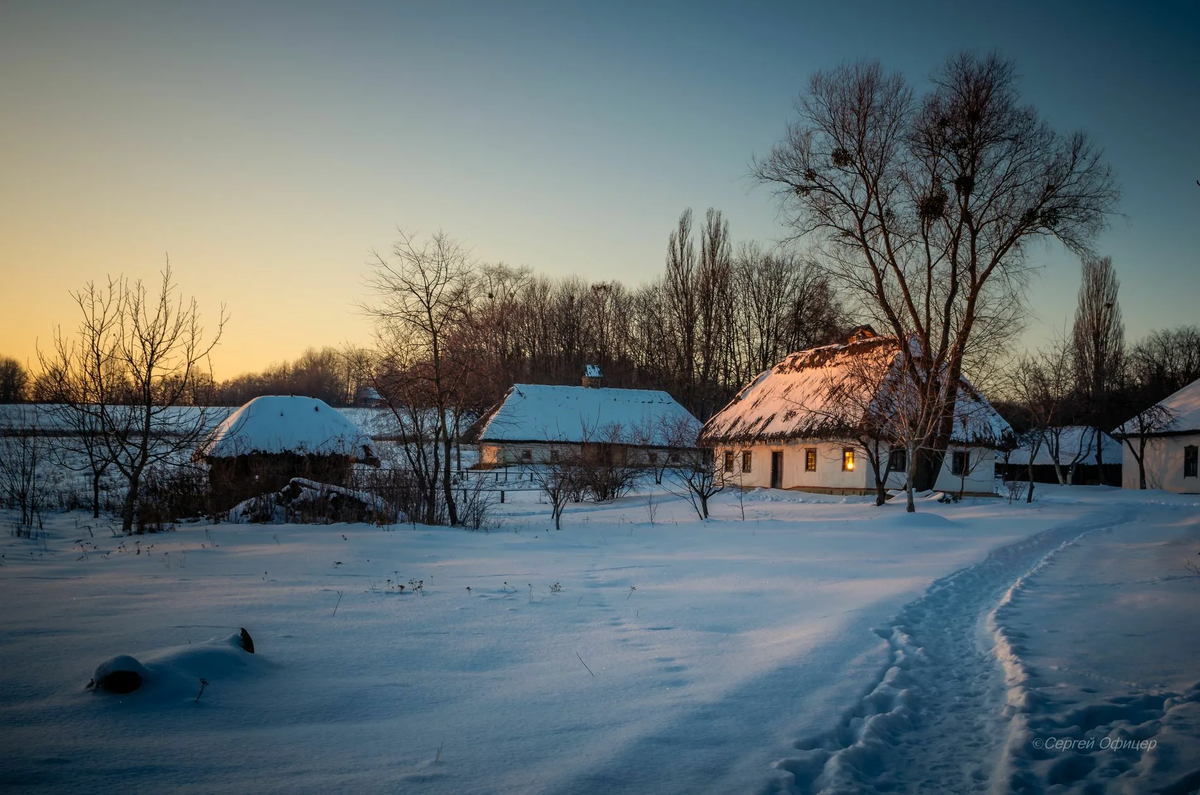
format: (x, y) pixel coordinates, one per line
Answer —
(286, 424)
(1076, 443)
(573, 414)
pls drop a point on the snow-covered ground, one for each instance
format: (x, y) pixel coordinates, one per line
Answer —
(816, 645)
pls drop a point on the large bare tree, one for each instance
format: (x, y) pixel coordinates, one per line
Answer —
(423, 294)
(925, 209)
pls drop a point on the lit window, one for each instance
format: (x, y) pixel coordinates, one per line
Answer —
(746, 461)
(810, 459)
(728, 460)
(1189, 461)
(847, 460)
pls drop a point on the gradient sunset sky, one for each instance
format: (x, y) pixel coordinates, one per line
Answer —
(269, 147)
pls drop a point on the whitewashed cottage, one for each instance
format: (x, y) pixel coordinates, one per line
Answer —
(796, 425)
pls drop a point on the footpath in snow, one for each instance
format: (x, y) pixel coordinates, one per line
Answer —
(1064, 662)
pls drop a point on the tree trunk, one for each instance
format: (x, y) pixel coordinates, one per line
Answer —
(131, 498)
(910, 506)
(96, 494)
(447, 486)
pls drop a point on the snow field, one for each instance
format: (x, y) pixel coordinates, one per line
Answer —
(677, 656)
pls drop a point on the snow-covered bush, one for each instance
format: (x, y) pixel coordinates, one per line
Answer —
(308, 502)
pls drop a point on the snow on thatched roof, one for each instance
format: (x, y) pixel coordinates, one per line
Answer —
(1076, 443)
(286, 424)
(573, 414)
(1183, 409)
(827, 392)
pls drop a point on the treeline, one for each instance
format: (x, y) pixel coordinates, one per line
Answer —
(712, 320)
(716, 316)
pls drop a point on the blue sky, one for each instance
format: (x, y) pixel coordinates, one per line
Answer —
(268, 147)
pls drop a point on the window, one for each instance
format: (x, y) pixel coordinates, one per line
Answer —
(810, 459)
(898, 460)
(847, 459)
(1189, 461)
(526, 454)
(746, 461)
(654, 458)
(728, 460)
(553, 455)
(958, 463)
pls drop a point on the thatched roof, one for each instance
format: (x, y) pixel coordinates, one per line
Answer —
(831, 391)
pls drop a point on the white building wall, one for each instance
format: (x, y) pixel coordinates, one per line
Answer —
(830, 475)
(1164, 465)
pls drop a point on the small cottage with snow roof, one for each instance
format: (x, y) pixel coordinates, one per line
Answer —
(538, 424)
(275, 438)
(800, 425)
(1073, 447)
(1167, 440)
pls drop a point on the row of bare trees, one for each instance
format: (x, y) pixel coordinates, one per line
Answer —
(1090, 378)
(114, 385)
(334, 375)
(715, 318)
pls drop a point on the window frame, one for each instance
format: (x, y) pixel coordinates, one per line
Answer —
(747, 460)
(902, 455)
(848, 462)
(728, 463)
(1191, 461)
(810, 459)
(958, 463)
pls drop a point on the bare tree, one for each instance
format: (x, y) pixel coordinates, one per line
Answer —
(924, 210)
(1165, 361)
(693, 474)
(1042, 385)
(559, 479)
(133, 362)
(1099, 342)
(1138, 431)
(14, 380)
(21, 454)
(423, 295)
(682, 306)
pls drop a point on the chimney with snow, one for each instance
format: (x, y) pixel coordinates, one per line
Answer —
(592, 377)
(860, 333)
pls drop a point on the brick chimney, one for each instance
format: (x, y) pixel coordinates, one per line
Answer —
(592, 376)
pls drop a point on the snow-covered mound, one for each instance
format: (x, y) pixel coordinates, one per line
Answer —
(308, 502)
(286, 424)
(178, 673)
